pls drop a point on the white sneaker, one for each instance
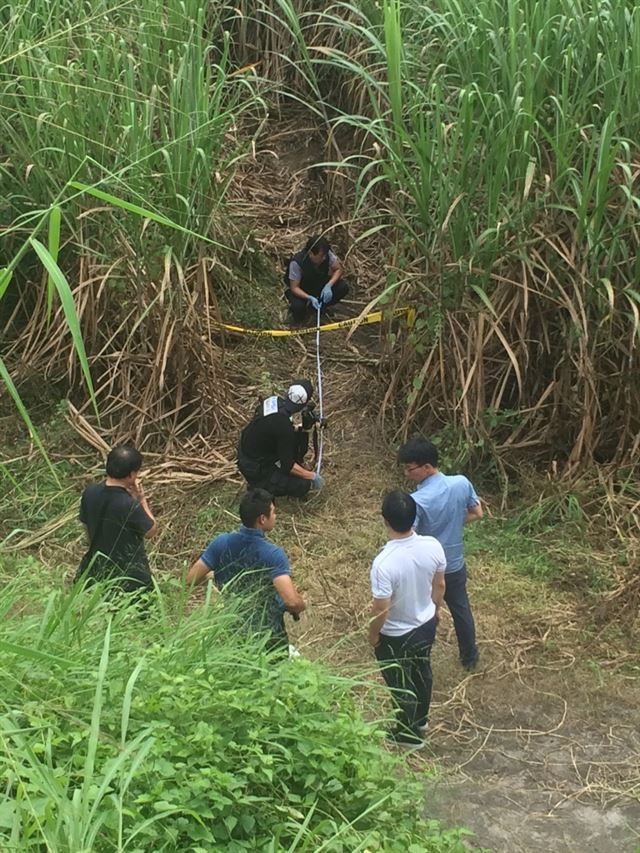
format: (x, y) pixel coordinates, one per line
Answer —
(423, 729)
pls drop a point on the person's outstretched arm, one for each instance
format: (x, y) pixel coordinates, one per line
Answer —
(286, 452)
(379, 610)
(296, 289)
(198, 573)
(295, 280)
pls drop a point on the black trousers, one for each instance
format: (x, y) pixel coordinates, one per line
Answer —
(457, 600)
(406, 667)
(300, 308)
(264, 474)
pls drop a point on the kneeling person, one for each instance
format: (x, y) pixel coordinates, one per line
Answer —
(254, 569)
(271, 449)
(314, 279)
(407, 586)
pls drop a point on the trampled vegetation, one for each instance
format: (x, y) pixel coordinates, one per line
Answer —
(170, 732)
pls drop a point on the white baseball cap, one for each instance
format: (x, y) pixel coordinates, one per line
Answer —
(297, 394)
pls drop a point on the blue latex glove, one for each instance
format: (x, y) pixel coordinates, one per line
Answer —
(327, 294)
(315, 303)
(317, 483)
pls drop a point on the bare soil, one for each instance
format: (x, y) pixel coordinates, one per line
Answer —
(540, 748)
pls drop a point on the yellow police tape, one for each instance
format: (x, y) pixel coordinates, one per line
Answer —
(374, 317)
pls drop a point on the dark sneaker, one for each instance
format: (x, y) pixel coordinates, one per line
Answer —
(470, 665)
(406, 740)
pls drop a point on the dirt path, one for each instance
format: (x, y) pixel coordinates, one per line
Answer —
(532, 760)
(537, 750)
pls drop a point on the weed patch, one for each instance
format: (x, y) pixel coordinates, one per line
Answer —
(554, 554)
(179, 733)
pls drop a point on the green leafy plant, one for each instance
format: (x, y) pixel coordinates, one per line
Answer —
(127, 733)
(123, 143)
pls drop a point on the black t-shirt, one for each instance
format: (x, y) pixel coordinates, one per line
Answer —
(312, 278)
(271, 439)
(121, 535)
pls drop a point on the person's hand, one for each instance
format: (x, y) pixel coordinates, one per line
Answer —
(136, 491)
(438, 614)
(317, 483)
(327, 294)
(315, 303)
(374, 640)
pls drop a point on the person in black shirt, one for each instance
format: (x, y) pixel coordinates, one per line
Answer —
(314, 279)
(118, 519)
(271, 449)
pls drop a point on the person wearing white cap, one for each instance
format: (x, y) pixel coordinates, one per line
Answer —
(271, 449)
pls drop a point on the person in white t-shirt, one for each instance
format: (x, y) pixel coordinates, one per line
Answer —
(407, 588)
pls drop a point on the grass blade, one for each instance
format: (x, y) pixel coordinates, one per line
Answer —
(5, 280)
(54, 247)
(68, 306)
(24, 414)
(144, 212)
(32, 654)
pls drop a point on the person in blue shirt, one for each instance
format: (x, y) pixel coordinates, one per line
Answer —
(245, 565)
(445, 504)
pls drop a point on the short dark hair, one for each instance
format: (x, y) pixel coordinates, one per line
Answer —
(317, 244)
(420, 451)
(255, 502)
(399, 511)
(123, 460)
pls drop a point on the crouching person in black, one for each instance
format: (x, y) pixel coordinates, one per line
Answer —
(271, 449)
(314, 279)
(118, 519)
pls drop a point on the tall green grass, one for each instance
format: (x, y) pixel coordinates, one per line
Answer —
(178, 733)
(121, 131)
(499, 150)
(495, 155)
(502, 106)
(134, 98)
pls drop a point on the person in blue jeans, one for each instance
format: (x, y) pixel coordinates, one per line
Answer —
(445, 504)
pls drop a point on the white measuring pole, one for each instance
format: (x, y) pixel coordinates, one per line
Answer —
(320, 400)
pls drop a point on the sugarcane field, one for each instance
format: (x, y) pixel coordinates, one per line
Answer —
(320, 426)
